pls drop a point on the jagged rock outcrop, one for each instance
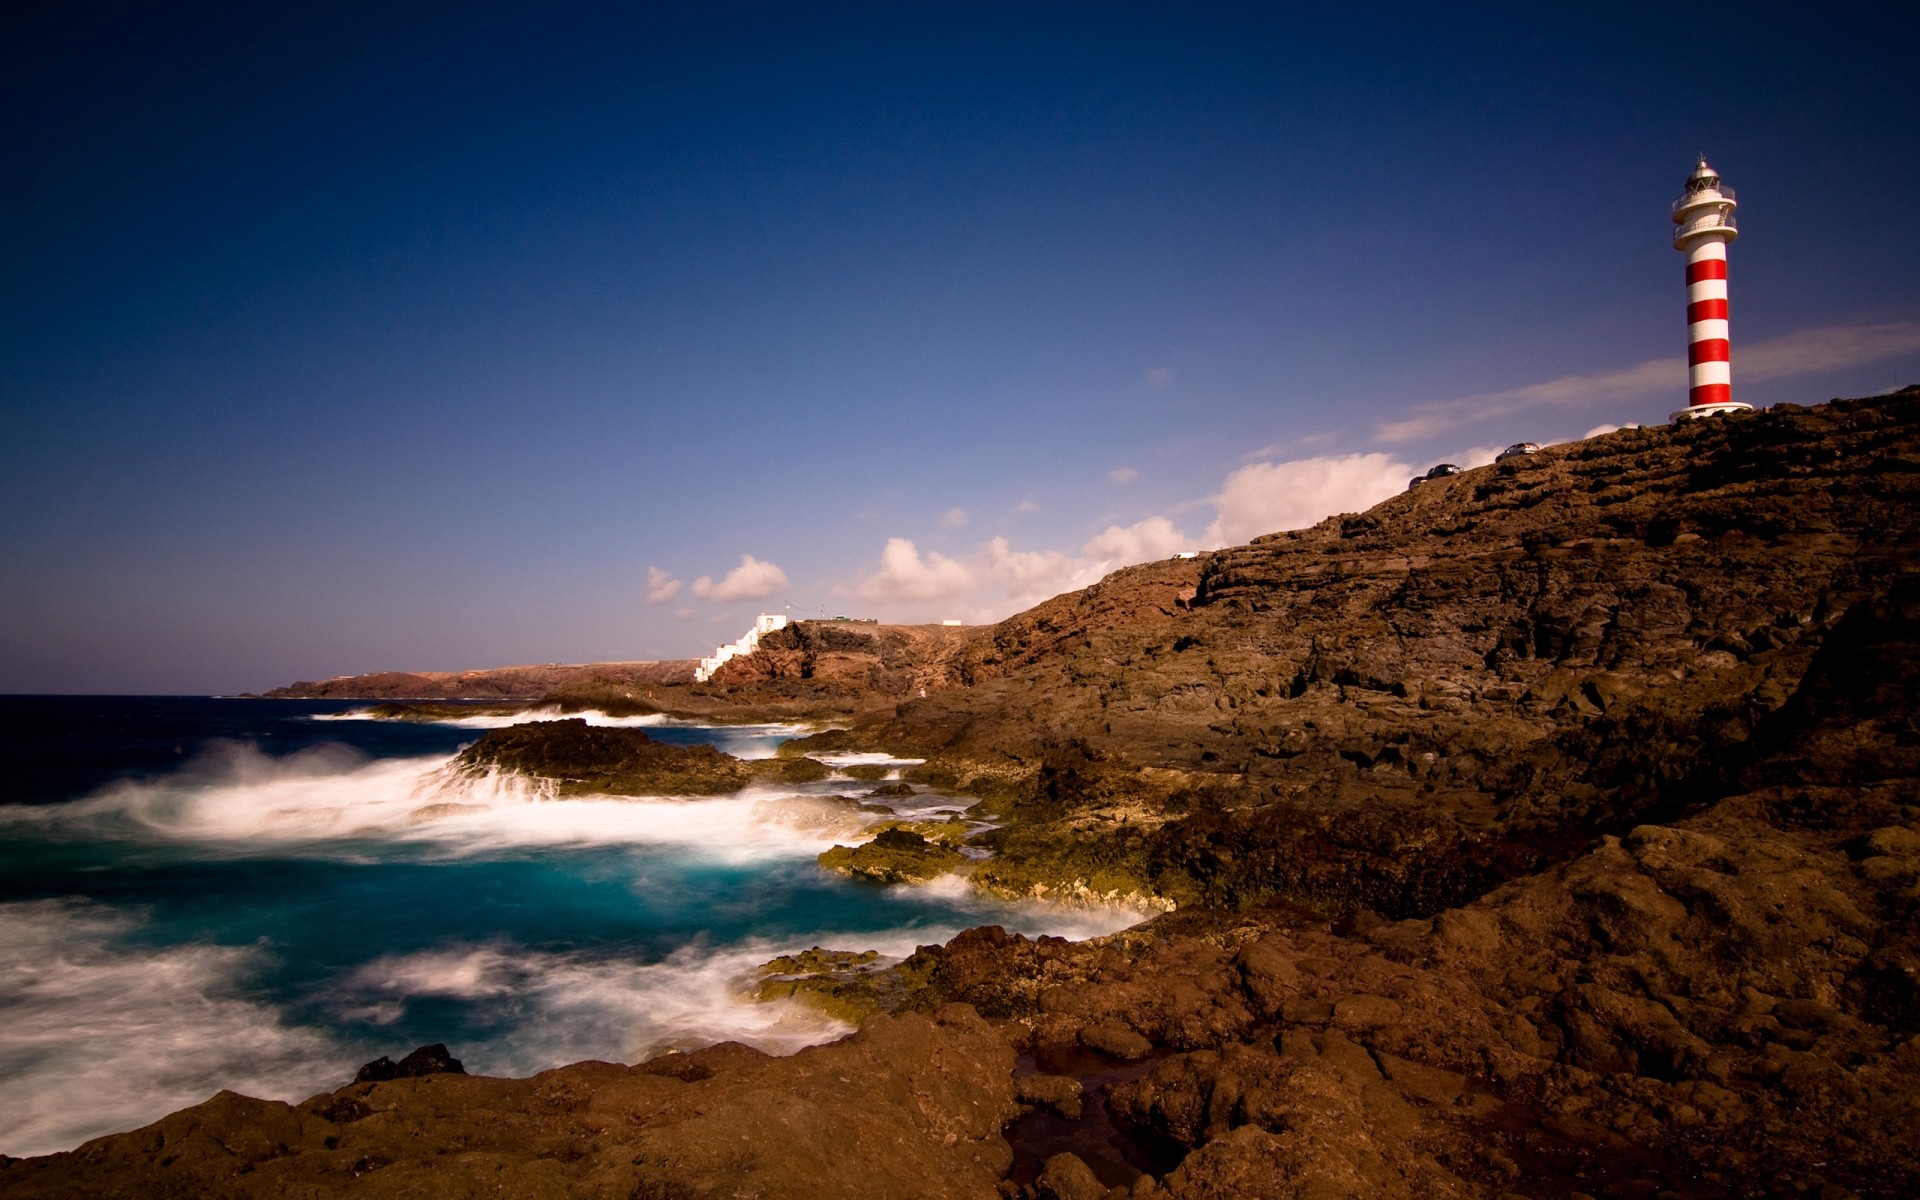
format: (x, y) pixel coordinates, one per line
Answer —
(572, 758)
(1399, 709)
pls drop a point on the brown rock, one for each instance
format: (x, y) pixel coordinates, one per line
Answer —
(1065, 1177)
(1115, 1041)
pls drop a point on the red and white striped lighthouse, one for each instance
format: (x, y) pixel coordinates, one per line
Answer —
(1703, 224)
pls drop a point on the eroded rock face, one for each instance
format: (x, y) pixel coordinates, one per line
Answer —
(1400, 709)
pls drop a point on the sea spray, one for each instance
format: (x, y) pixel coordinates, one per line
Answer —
(103, 1033)
(272, 909)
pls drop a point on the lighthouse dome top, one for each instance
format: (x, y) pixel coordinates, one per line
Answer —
(1705, 206)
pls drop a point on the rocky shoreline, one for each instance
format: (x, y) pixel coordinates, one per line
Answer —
(1551, 830)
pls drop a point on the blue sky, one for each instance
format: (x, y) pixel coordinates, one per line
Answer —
(343, 337)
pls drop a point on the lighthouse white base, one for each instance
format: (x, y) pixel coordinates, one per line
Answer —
(1695, 412)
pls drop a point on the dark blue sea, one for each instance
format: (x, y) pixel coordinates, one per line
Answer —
(261, 895)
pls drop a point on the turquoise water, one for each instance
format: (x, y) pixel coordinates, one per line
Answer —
(262, 895)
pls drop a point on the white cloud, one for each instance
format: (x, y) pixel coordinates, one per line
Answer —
(1159, 376)
(1122, 475)
(1476, 456)
(1027, 506)
(1807, 350)
(954, 517)
(1801, 352)
(1124, 545)
(751, 580)
(661, 587)
(1269, 497)
(1027, 577)
(905, 574)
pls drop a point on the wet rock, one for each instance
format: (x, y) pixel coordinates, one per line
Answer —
(1115, 1041)
(893, 856)
(574, 758)
(847, 985)
(790, 769)
(1058, 1092)
(1065, 1177)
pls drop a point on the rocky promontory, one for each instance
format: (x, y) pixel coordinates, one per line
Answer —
(1551, 830)
(493, 683)
(572, 758)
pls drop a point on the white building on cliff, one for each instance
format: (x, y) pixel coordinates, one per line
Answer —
(763, 624)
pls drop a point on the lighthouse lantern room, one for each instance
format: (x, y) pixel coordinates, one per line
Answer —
(1703, 224)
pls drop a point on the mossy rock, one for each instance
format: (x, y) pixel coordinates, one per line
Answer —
(894, 856)
(954, 831)
(847, 984)
(932, 774)
(790, 770)
(892, 791)
(1048, 861)
(827, 741)
(818, 960)
(866, 772)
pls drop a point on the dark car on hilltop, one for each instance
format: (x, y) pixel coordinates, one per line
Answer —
(1439, 472)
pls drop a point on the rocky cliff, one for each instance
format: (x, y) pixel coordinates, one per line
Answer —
(493, 683)
(1548, 831)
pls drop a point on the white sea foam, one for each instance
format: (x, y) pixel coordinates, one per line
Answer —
(100, 1036)
(494, 720)
(570, 1007)
(332, 802)
(867, 758)
(1031, 917)
(741, 741)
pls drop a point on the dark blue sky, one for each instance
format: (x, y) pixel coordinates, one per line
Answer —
(346, 337)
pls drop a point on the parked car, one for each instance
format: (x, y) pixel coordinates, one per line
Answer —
(1517, 450)
(1439, 472)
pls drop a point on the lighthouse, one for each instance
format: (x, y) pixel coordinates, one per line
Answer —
(1703, 224)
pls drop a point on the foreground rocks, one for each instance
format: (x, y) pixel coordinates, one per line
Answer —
(909, 1106)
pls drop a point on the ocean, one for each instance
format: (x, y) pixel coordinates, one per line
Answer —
(262, 895)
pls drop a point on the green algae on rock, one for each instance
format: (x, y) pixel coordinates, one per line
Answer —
(849, 985)
(895, 855)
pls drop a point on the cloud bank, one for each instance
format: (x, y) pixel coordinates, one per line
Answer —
(1267, 497)
(997, 580)
(1802, 352)
(751, 580)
